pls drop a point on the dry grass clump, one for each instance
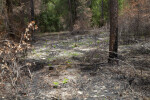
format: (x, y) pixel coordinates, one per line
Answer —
(11, 52)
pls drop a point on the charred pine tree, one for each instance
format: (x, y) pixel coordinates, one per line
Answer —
(32, 10)
(102, 13)
(113, 42)
(9, 16)
(74, 11)
(70, 15)
(32, 16)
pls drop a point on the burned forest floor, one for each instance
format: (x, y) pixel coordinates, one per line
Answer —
(74, 67)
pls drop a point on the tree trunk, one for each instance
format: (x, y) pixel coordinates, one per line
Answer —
(70, 16)
(32, 10)
(102, 11)
(9, 15)
(113, 43)
(75, 10)
(32, 17)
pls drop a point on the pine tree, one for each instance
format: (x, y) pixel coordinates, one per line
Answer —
(113, 43)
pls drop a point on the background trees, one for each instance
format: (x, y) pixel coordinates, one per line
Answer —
(53, 15)
(134, 20)
(100, 12)
(57, 15)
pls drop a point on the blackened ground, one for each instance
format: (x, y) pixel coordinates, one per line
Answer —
(74, 67)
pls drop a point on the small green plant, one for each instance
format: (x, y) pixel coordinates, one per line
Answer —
(44, 46)
(102, 32)
(75, 54)
(107, 40)
(55, 84)
(98, 41)
(34, 51)
(49, 65)
(46, 41)
(41, 49)
(81, 43)
(74, 45)
(48, 59)
(47, 50)
(54, 46)
(65, 80)
(62, 43)
(91, 42)
(68, 62)
(38, 55)
(65, 51)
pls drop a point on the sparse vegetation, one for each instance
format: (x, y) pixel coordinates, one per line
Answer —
(65, 81)
(56, 84)
(74, 49)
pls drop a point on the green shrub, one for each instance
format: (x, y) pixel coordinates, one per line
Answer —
(49, 22)
(96, 8)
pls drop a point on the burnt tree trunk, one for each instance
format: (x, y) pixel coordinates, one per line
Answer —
(74, 11)
(113, 43)
(70, 16)
(9, 16)
(32, 17)
(102, 11)
(32, 10)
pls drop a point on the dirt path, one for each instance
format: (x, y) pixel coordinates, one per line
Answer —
(74, 67)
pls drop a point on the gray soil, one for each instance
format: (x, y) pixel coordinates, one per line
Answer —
(74, 67)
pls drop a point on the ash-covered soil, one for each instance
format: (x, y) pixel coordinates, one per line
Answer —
(74, 67)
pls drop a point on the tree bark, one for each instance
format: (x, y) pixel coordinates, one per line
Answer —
(102, 11)
(70, 16)
(9, 15)
(32, 10)
(113, 43)
(75, 10)
(32, 17)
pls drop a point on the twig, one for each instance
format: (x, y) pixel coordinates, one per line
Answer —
(30, 73)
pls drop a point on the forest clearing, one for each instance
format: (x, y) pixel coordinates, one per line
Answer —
(90, 50)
